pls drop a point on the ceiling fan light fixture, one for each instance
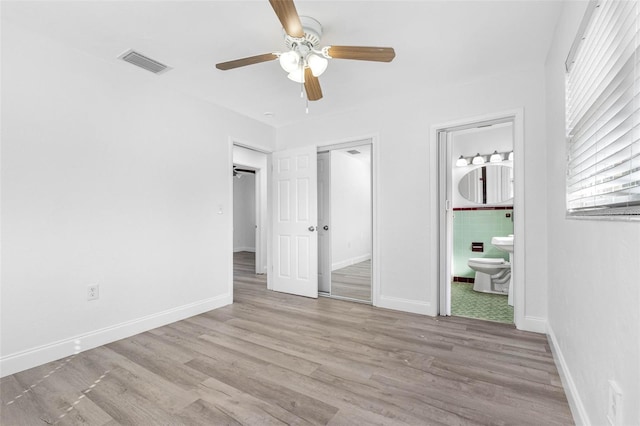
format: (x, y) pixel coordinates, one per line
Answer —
(318, 64)
(297, 75)
(289, 61)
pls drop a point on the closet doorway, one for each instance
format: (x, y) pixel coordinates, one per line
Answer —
(345, 222)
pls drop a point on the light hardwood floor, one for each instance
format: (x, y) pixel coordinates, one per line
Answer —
(272, 358)
(353, 281)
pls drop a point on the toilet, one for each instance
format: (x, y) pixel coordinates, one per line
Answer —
(492, 274)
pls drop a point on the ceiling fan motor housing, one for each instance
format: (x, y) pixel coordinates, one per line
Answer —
(312, 34)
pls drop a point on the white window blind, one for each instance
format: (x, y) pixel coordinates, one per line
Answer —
(603, 114)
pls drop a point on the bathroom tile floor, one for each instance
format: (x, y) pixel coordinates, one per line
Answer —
(471, 304)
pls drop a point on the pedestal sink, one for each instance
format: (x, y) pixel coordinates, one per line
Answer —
(503, 243)
(506, 244)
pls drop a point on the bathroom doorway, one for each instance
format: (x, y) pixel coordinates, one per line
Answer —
(345, 222)
(476, 198)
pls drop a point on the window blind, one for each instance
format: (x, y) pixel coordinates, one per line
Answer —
(603, 112)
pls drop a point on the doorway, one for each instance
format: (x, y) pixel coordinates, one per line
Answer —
(345, 222)
(250, 218)
(482, 207)
(476, 203)
(245, 217)
(294, 254)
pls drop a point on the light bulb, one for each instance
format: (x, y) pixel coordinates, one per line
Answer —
(477, 159)
(318, 64)
(289, 61)
(495, 157)
(461, 162)
(297, 75)
(511, 156)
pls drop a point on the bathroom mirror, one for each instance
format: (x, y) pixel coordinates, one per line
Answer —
(489, 184)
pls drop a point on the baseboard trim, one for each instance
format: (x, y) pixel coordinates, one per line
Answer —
(533, 324)
(405, 305)
(34, 357)
(578, 411)
(350, 261)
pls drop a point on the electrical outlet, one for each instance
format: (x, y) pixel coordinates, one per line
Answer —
(614, 406)
(93, 292)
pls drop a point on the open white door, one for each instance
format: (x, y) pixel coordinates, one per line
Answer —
(295, 212)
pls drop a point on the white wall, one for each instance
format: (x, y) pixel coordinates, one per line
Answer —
(406, 198)
(107, 178)
(350, 210)
(594, 270)
(244, 213)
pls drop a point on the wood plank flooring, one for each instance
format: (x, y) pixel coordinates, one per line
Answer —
(273, 359)
(353, 281)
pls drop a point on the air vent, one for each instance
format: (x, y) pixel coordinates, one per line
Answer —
(144, 62)
(353, 151)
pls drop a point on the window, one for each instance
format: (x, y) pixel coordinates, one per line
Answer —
(603, 114)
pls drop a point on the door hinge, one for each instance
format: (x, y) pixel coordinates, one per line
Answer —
(447, 205)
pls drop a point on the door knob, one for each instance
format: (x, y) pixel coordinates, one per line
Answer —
(312, 228)
(326, 227)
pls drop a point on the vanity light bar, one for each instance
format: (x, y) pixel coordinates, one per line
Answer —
(495, 157)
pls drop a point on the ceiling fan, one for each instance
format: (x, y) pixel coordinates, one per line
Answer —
(303, 60)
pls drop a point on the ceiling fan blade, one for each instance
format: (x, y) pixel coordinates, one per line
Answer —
(246, 61)
(379, 54)
(236, 169)
(312, 86)
(288, 16)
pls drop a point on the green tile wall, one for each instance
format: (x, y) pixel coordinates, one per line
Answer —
(478, 225)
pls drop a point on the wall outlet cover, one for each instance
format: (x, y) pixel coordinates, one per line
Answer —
(93, 292)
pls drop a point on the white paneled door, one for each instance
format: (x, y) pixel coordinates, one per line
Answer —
(295, 212)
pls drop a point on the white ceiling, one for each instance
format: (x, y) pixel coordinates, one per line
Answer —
(436, 42)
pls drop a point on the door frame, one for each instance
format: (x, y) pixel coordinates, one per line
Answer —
(441, 192)
(371, 139)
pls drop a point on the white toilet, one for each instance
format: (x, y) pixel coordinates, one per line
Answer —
(492, 274)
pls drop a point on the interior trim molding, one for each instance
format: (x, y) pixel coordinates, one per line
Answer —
(406, 305)
(34, 357)
(575, 403)
(534, 324)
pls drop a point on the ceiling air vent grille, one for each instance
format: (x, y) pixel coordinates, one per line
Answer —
(144, 62)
